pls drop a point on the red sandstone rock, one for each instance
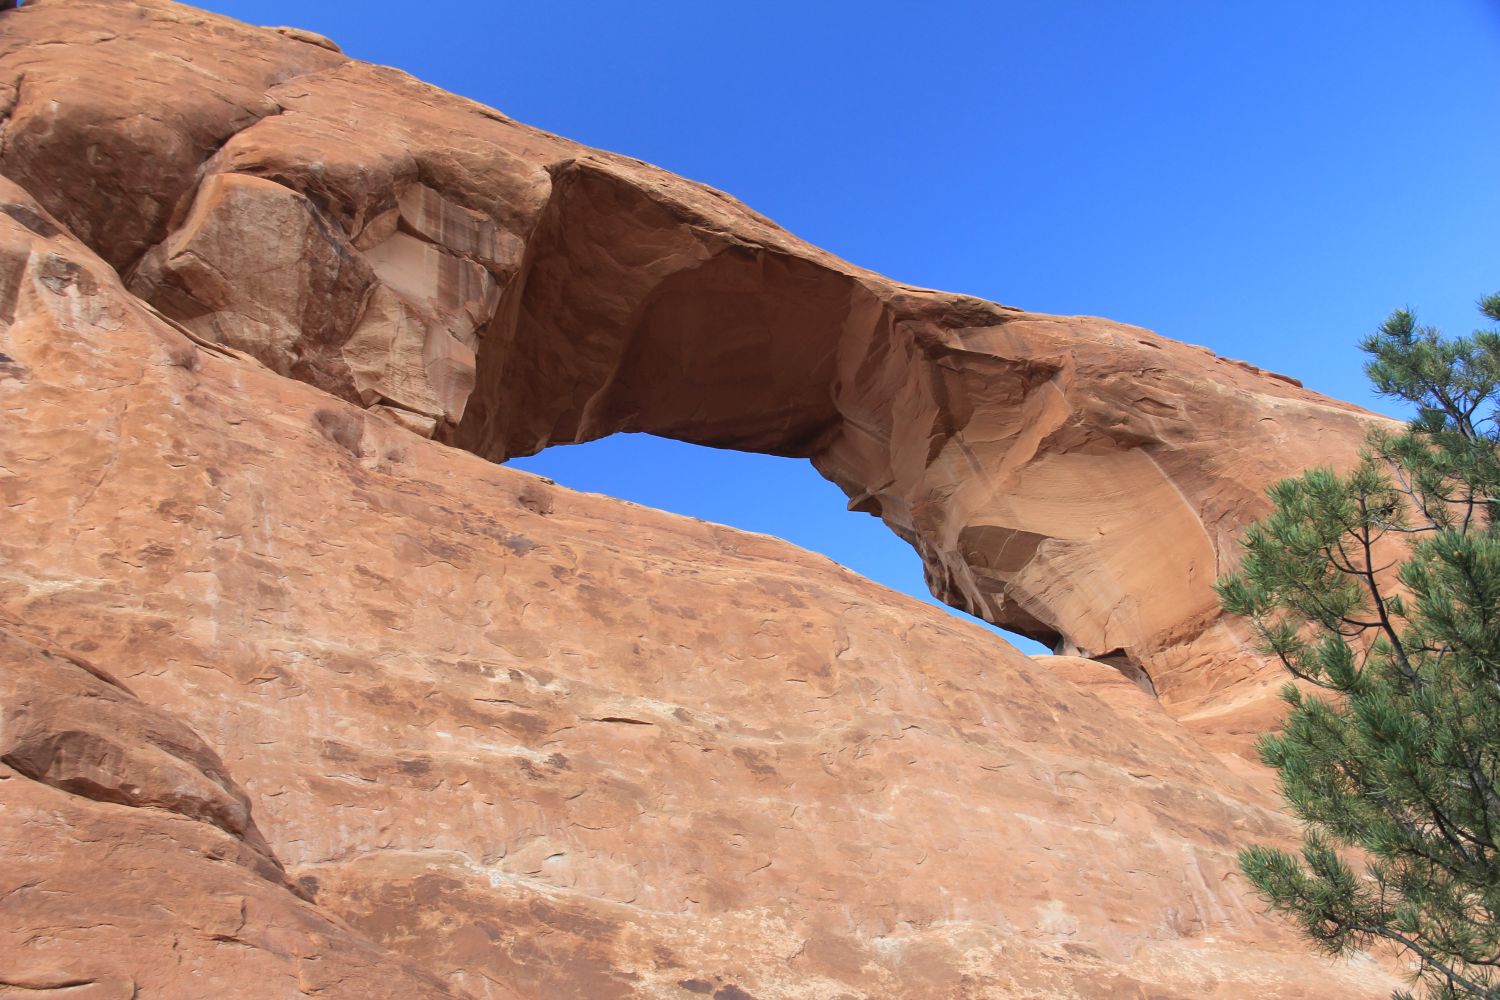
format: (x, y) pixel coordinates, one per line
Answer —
(443, 728)
(131, 865)
(1077, 480)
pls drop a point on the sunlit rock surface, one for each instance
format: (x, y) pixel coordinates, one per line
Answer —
(297, 701)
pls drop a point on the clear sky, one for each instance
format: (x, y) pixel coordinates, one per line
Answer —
(1268, 179)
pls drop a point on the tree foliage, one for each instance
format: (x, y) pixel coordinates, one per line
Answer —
(1379, 590)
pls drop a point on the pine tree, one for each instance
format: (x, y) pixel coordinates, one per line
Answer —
(1379, 591)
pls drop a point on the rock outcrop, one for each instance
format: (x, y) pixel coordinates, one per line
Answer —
(1072, 479)
(296, 701)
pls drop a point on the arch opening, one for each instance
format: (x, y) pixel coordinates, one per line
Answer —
(635, 312)
(753, 492)
(1012, 452)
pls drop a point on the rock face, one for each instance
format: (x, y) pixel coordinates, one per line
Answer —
(191, 901)
(296, 701)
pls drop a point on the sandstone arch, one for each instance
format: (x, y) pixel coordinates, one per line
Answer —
(1069, 478)
(507, 740)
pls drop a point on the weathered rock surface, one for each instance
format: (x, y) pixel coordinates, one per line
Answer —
(131, 866)
(376, 717)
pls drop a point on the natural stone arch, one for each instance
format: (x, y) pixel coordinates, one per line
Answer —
(1073, 479)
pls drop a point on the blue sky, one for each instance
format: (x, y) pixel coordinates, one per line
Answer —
(1267, 179)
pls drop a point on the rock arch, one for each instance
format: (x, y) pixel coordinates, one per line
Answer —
(1073, 479)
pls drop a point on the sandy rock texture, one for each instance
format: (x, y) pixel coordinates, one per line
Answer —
(301, 694)
(132, 867)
